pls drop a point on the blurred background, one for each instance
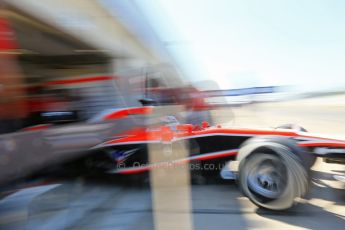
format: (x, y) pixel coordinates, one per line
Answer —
(236, 63)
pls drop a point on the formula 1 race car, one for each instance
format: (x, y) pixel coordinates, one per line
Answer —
(271, 165)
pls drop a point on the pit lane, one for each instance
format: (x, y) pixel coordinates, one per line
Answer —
(103, 203)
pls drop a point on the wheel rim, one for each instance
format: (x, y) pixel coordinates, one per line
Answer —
(268, 178)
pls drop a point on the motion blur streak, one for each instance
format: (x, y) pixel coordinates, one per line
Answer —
(171, 195)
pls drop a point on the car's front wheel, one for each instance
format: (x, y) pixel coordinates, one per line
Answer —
(272, 176)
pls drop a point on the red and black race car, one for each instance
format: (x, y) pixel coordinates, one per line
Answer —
(271, 165)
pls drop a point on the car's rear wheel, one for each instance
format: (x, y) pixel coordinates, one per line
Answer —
(271, 175)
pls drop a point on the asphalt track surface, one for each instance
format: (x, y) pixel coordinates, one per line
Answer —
(99, 203)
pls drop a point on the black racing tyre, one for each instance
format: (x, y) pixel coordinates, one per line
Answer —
(308, 159)
(271, 174)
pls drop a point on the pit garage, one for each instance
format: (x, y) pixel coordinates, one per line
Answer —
(61, 69)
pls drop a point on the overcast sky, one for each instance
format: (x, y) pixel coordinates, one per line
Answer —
(254, 42)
